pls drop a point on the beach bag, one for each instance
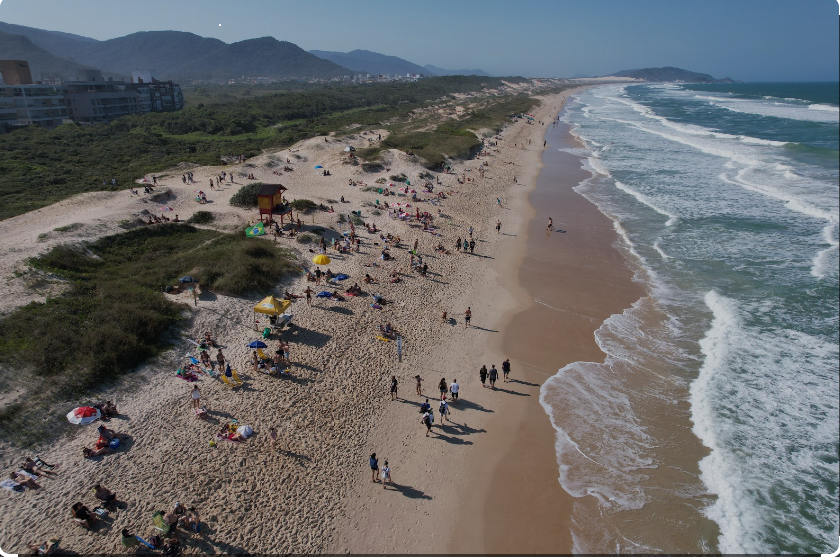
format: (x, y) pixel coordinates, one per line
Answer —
(245, 431)
(115, 443)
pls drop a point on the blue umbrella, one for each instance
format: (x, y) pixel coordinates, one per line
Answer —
(258, 344)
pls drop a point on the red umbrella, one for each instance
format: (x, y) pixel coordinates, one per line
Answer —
(83, 415)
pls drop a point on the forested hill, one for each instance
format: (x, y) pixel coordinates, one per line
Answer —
(176, 55)
(371, 62)
(669, 73)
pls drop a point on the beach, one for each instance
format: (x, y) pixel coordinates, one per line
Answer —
(487, 481)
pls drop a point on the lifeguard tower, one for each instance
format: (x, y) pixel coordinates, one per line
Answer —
(270, 202)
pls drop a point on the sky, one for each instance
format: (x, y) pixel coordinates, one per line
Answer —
(748, 40)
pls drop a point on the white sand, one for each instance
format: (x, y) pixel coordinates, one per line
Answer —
(314, 493)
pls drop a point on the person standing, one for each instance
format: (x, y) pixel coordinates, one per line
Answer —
(493, 375)
(308, 293)
(454, 387)
(220, 358)
(393, 387)
(482, 374)
(498, 226)
(386, 475)
(458, 244)
(470, 230)
(467, 317)
(419, 386)
(466, 245)
(506, 369)
(472, 246)
(196, 397)
(442, 388)
(374, 467)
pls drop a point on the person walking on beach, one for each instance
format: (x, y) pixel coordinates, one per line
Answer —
(220, 358)
(454, 387)
(498, 226)
(467, 317)
(506, 369)
(374, 467)
(458, 244)
(427, 421)
(550, 227)
(472, 247)
(444, 411)
(482, 374)
(419, 387)
(393, 387)
(470, 230)
(442, 388)
(493, 375)
(466, 245)
(196, 397)
(386, 475)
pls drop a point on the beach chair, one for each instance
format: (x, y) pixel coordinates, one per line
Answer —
(236, 378)
(226, 381)
(160, 524)
(262, 355)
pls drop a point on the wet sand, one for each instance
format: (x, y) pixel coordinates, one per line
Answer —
(569, 282)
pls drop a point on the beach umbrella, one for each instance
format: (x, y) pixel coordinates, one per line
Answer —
(319, 166)
(83, 415)
(258, 344)
(165, 208)
(321, 260)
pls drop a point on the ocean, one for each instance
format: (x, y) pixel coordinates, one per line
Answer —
(712, 425)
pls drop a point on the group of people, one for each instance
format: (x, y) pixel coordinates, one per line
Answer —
(187, 178)
(466, 245)
(493, 374)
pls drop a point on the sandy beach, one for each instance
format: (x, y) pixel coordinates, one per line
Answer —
(486, 481)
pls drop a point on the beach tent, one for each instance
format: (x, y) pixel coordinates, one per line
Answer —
(349, 148)
(83, 415)
(256, 230)
(271, 306)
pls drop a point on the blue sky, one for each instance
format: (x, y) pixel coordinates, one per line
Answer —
(750, 40)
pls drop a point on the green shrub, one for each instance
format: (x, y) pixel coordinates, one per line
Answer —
(304, 205)
(356, 219)
(376, 212)
(113, 315)
(304, 238)
(246, 197)
(372, 167)
(202, 217)
(399, 178)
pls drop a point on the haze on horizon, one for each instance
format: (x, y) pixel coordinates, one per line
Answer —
(749, 40)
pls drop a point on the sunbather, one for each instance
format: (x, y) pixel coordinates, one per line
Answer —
(226, 433)
(369, 279)
(105, 495)
(82, 515)
(97, 451)
(33, 468)
(23, 480)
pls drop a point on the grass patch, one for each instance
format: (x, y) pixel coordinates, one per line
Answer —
(69, 227)
(304, 238)
(399, 178)
(114, 316)
(202, 217)
(246, 197)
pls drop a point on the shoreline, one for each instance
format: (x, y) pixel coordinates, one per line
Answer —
(524, 509)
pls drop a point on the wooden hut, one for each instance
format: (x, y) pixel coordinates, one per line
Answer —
(270, 202)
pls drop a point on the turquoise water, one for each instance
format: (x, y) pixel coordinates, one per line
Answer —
(726, 201)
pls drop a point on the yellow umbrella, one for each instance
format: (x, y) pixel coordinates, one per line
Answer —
(321, 260)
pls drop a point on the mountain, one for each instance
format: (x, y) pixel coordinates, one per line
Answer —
(173, 54)
(42, 64)
(265, 56)
(440, 71)
(373, 63)
(669, 73)
(56, 42)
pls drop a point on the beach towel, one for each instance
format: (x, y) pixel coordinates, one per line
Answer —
(12, 485)
(324, 294)
(376, 306)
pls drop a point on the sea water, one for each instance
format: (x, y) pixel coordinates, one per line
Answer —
(718, 399)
